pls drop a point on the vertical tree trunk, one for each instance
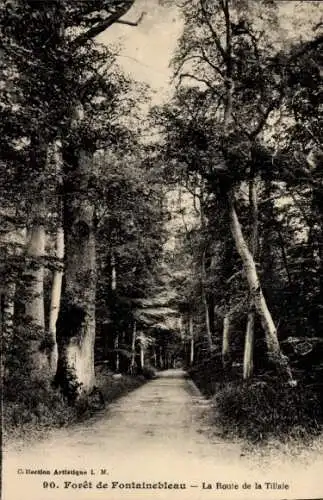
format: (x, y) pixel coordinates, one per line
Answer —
(117, 354)
(161, 359)
(248, 346)
(207, 319)
(34, 294)
(133, 347)
(273, 347)
(35, 255)
(76, 321)
(181, 330)
(226, 355)
(191, 336)
(249, 337)
(113, 273)
(113, 288)
(203, 286)
(56, 299)
(142, 351)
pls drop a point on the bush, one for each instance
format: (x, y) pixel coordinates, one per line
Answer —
(259, 410)
(210, 376)
(115, 388)
(38, 407)
(149, 372)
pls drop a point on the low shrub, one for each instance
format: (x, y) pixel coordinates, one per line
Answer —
(37, 408)
(260, 409)
(149, 372)
(112, 388)
(210, 376)
(108, 389)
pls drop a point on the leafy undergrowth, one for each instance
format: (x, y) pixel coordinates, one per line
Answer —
(109, 388)
(262, 411)
(40, 408)
(35, 410)
(149, 372)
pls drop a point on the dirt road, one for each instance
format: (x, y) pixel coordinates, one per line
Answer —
(154, 443)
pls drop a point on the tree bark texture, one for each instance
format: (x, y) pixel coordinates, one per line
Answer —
(142, 351)
(226, 355)
(56, 299)
(117, 354)
(34, 289)
(249, 336)
(191, 336)
(76, 321)
(133, 348)
(273, 348)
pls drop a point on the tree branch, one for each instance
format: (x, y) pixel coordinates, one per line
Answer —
(100, 27)
(200, 80)
(312, 44)
(262, 122)
(212, 30)
(234, 275)
(210, 63)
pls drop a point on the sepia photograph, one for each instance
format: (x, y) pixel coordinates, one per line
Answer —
(161, 249)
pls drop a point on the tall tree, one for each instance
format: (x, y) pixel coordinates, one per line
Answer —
(232, 68)
(52, 54)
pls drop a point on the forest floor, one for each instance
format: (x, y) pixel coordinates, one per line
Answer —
(159, 432)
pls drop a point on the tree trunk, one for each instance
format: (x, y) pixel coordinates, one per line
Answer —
(249, 337)
(113, 273)
(161, 359)
(226, 355)
(203, 279)
(34, 294)
(117, 354)
(155, 356)
(248, 346)
(56, 299)
(191, 335)
(207, 320)
(275, 355)
(76, 321)
(142, 352)
(133, 348)
(180, 328)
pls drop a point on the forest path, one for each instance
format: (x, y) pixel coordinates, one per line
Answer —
(159, 432)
